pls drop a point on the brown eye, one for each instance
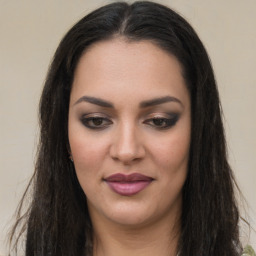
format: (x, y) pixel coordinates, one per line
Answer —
(159, 121)
(95, 122)
(162, 122)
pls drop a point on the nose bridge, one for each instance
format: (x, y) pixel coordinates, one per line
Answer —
(127, 137)
(127, 145)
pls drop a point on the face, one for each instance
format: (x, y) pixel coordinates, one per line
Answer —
(129, 132)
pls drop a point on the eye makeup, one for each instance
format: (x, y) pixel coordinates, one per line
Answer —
(95, 121)
(98, 121)
(161, 122)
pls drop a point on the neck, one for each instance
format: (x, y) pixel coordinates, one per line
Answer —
(150, 240)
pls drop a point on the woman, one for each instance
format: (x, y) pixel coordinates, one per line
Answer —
(132, 156)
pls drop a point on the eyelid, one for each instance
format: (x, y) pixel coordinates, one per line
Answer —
(95, 114)
(162, 115)
(86, 118)
(170, 120)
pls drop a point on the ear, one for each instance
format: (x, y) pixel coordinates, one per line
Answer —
(69, 151)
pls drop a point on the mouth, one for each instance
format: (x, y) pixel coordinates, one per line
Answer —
(128, 185)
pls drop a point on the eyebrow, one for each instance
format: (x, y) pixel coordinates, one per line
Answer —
(96, 101)
(143, 104)
(157, 101)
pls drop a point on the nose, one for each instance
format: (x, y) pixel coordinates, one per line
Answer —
(127, 146)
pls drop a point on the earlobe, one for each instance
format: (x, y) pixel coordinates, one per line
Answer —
(69, 153)
(71, 157)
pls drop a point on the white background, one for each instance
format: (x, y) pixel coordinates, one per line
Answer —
(29, 34)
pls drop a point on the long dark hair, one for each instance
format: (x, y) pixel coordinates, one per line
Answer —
(57, 221)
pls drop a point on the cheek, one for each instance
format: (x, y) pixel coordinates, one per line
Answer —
(172, 153)
(84, 152)
(88, 153)
(88, 158)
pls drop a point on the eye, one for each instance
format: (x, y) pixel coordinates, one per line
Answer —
(95, 122)
(162, 122)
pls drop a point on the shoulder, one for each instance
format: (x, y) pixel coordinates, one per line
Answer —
(248, 251)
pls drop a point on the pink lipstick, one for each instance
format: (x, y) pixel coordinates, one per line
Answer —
(128, 185)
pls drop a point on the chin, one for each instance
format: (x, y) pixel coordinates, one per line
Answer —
(131, 216)
(131, 222)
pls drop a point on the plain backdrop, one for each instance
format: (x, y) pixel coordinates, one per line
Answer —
(29, 34)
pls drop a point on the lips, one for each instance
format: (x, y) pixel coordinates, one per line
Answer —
(128, 185)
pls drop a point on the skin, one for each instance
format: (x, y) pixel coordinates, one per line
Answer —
(128, 140)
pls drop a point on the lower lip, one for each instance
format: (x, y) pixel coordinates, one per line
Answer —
(128, 188)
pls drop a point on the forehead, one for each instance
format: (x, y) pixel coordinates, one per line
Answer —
(111, 67)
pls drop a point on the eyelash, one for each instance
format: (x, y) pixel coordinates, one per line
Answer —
(89, 122)
(168, 122)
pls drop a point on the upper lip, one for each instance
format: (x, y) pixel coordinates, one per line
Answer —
(120, 177)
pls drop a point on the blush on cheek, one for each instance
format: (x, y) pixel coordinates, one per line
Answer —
(85, 147)
(88, 154)
(173, 154)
